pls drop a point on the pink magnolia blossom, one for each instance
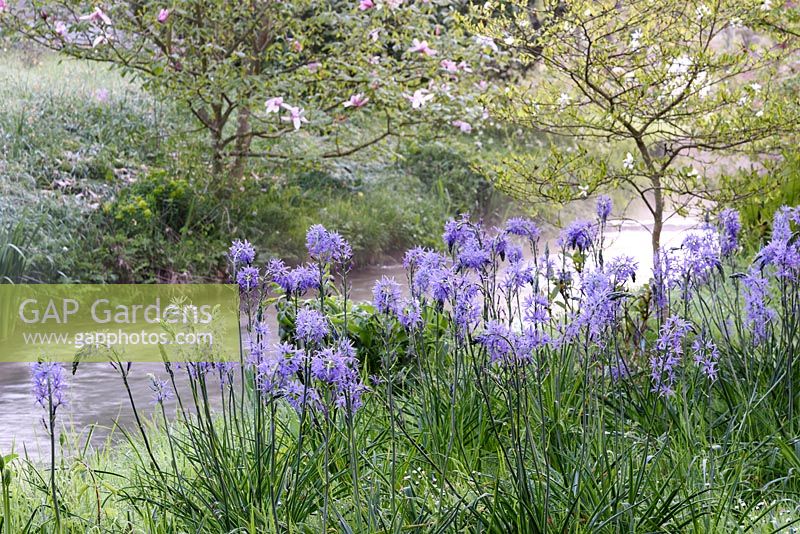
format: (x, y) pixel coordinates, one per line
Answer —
(374, 60)
(98, 15)
(3, 5)
(99, 40)
(163, 15)
(464, 66)
(356, 101)
(449, 65)
(297, 46)
(421, 47)
(364, 5)
(465, 127)
(374, 34)
(60, 28)
(274, 104)
(419, 98)
(313, 66)
(393, 4)
(295, 116)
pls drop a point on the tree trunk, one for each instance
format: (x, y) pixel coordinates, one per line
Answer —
(244, 138)
(658, 213)
(217, 127)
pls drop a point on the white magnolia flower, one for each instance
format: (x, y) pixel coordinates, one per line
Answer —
(628, 163)
(702, 11)
(563, 100)
(680, 65)
(636, 37)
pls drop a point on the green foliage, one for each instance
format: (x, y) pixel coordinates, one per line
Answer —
(160, 227)
(663, 83)
(756, 212)
(445, 171)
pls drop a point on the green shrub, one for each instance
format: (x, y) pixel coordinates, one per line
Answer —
(757, 212)
(448, 174)
(160, 228)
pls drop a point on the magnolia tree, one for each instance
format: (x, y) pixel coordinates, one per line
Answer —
(652, 92)
(341, 75)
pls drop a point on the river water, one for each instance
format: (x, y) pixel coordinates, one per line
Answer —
(97, 399)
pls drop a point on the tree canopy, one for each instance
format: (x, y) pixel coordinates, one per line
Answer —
(345, 74)
(673, 85)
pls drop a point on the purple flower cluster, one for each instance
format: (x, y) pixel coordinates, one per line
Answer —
(579, 235)
(336, 369)
(729, 228)
(241, 252)
(700, 256)
(327, 247)
(598, 307)
(386, 296)
(297, 281)
(248, 278)
(604, 208)
(473, 255)
(621, 269)
(782, 252)
(410, 314)
(161, 390)
(518, 274)
(478, 284)
(275, 367)
(49, 380)
(311, 326)
(706, 356)
(303, 378)
(759, 315)
(668, 356)
(498, 340)
(456, 231)
(523, 227)
(507, 348)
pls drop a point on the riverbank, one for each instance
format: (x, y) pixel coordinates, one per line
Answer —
(100, 182)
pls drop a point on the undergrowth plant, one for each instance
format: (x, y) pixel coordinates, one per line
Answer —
(502, 387)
